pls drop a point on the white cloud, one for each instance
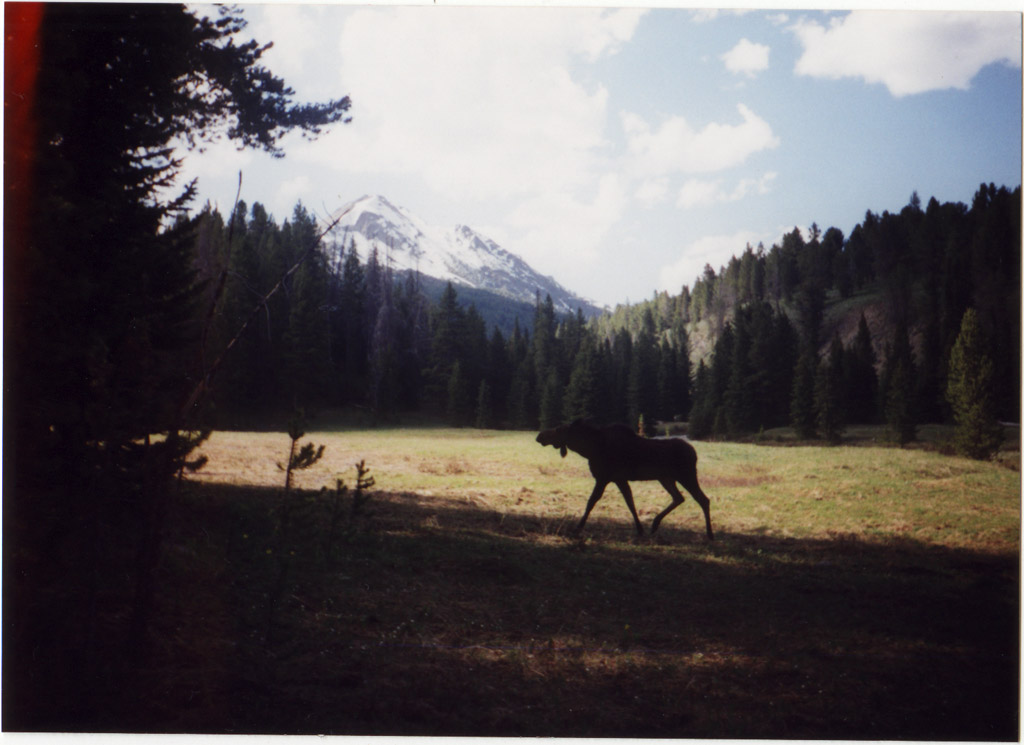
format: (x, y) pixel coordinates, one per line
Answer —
(715, 250)
(700, 193)
(909, 52)
(479, 103)
(558, 233)
(303, 52)
(676, 147)
(705, 15)
(761, 185)
(703, 193)
(746, 58)
(606, 33)
(652, 191)
(221, 160)
(287, 25)
(295, 189)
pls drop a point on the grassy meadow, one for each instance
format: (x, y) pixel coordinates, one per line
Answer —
(851, 592)
(871, 493)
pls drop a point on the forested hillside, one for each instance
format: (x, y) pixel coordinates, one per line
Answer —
(777, 333)
(816, 332)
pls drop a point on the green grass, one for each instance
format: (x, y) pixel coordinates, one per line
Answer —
(852, 592)
(807, 492)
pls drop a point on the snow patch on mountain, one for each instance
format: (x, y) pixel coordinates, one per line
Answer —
(459, 254)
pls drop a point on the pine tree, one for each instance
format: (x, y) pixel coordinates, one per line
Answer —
(499, 371)
(701, 417)
(668, 384)
(352, 342)
(719, 373)
(780, 365)
(460, 400)
(860, 379)
(236, 260)
(828, 394)
(412, 341)
(642, 385)
(760, 322)
(810, 297)
(995, 255)
(473, 346)
(582, 394)
(970, 392)
(109, 342)
(898, 386)
(545, 353)
(305, 337)
(801, 411)
(621, 362)
(384, 374)
(684, 374)
(484, 407)
(899, 406)
(739, 402)
(931, 377)
(446, 337)
(550, 412)
(522, 411)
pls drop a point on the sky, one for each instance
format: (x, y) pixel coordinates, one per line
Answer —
(620, 149)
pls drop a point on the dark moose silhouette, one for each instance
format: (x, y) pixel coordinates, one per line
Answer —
(617, 455)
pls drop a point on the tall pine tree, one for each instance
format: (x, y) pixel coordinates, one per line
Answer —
(829, 401)
(970, 392)
(801, 411)
(860, 379)
(582, 396)
(105, 325)
(898, 386)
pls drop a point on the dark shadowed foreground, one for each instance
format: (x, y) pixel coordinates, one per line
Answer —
(436, 616)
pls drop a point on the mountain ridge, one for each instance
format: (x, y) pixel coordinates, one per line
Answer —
(458, 254)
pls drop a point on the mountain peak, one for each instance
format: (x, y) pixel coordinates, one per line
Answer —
(459, 254)
(374, 203)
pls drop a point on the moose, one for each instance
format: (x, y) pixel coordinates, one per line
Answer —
(617, 455)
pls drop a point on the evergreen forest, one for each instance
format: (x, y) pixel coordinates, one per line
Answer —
(817, 332)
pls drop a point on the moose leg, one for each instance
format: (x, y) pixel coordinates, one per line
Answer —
(627, 494)
(702, 499)
(594, 496)
(677, 499)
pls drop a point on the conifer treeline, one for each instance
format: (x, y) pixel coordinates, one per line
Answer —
(348, 332)
(757, 323)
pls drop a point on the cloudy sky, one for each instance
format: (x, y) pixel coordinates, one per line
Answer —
(621, 149)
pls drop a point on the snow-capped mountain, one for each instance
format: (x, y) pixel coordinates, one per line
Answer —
(459, 254)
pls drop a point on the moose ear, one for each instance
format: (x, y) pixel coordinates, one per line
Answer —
(564, 451)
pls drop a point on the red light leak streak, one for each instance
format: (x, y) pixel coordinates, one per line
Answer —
(21, 68)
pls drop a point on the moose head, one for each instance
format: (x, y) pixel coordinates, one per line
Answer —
(556, 438)
(579, 436)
